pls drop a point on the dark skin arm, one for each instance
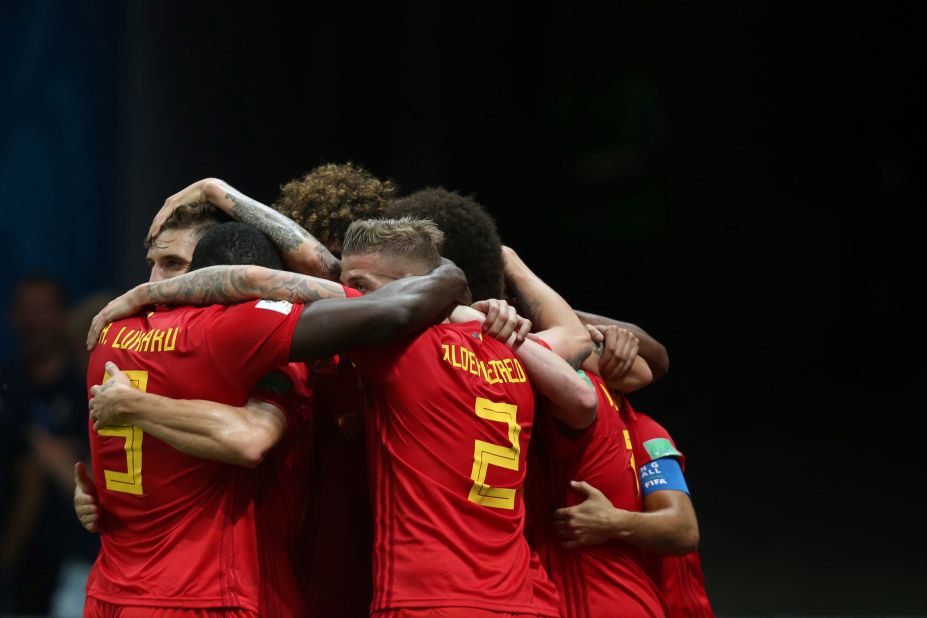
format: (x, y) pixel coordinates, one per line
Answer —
(399, 307)
(650, 349)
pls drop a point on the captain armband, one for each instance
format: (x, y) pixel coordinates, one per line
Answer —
(660, 474)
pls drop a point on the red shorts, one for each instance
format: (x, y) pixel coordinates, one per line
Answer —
(95, 608)
(447, 612)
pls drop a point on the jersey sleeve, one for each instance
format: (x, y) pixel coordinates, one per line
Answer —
(655, 442)
(286, 387)
(247, 340)
(350, 292)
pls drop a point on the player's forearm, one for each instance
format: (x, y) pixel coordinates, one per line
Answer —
(399, 307)
(552, 316)
(664, 532)
(637, 377)
(300, 250)
(652, 350)
(574, 399)
(234, 284)
(203, 429)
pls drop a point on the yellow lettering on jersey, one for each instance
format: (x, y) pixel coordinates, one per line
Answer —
(486, 454)
(519, 371)
(145, 341)
(130, 481)
(493, 371)
(102, 338)
(118, 335)
(169, 346)
(157, 340)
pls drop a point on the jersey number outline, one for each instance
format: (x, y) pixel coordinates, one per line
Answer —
(130, 481)
(486, 454)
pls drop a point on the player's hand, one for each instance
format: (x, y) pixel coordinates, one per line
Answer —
(118, 308)
(502, 321)
(619, 349)
(590, 522)
(106, 398)
(85, 499)
(194, 194)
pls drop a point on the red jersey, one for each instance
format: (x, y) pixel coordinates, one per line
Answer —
(608, 579)
(680, 578)
(337, 537)
(178, 531)
(448, 423)
(280, 498)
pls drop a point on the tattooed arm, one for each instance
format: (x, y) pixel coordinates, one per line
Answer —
(558, 324)
(216, 285)
(298, 248)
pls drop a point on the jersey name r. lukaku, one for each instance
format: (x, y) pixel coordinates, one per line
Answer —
(178, 531)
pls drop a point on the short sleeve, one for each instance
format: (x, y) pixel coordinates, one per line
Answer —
(286, 387)
(247, 340)
(654, 442)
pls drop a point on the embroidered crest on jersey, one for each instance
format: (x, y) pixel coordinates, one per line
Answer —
(280, 306)
(661, 447)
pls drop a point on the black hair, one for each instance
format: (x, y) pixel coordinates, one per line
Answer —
(471, 239)
(235, 243)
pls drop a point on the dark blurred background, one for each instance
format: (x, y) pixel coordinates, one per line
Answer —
(740, 179)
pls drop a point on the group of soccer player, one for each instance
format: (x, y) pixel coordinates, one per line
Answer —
(352, 403)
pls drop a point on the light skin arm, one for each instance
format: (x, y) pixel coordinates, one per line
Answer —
(555, 320)
(85, 499)
(616, 360)
(651, 350)
(222, 285)
(240, 436)
(574, 400)
(667, 525)
(300, 250)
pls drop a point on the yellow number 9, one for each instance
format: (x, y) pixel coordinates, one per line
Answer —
(130, 481)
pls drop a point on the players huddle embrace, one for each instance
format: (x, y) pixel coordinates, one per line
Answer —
(276, 431)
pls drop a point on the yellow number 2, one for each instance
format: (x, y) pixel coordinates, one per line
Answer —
(486, 454)
(130, 481)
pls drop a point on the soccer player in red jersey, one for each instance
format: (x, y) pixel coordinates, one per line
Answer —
(607, 580)
(149, 556)
(450, 414)
(679, 573)
(276, 440)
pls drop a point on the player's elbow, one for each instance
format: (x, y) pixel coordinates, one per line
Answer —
(250, 448)
(659, 364)
(685, 540)
(578, 407)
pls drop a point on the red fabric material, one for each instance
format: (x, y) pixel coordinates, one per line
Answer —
(433, 546)
(188, 537)
(607, 579)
